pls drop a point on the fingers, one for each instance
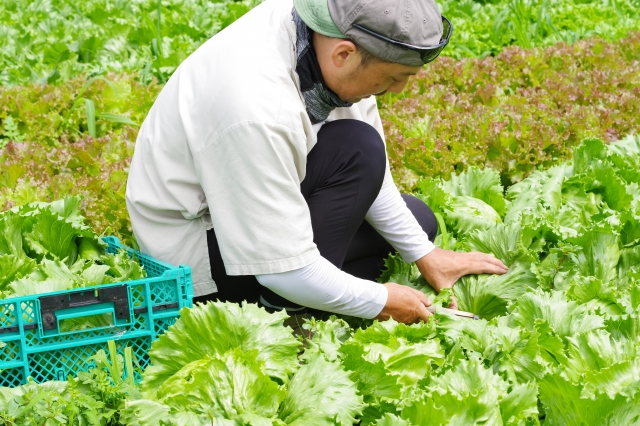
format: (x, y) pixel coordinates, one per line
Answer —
(482, 263)
(488, 268)
(488, 258)
(404, 304)
(495, 261)
(423, 313)
(454, 303)
(422, 297)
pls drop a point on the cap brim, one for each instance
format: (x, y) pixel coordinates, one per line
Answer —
(315, 13)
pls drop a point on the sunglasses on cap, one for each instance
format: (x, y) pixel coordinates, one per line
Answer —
(427, 54)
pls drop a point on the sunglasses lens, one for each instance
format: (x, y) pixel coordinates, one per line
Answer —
(430, 55)
(446, 28)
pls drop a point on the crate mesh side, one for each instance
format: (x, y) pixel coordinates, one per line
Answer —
(153, 268)
(162, 324)
(140, 323)
(45, 366)
(7, 314)
(28, 312)
(141, 348)
(10, 351)
(12, 377)
(163, 292)
(33, 339)
(137, 296)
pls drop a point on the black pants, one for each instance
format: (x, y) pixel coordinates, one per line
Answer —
(344, 176)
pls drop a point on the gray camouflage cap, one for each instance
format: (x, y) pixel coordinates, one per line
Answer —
(367, 22)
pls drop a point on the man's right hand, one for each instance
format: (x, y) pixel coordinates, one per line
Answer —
(405, 305)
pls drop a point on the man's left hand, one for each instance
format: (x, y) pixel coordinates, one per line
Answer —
(442, 268)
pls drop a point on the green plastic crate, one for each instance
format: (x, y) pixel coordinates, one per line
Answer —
(142, 309)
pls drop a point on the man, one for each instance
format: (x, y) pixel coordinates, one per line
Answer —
(262, 162)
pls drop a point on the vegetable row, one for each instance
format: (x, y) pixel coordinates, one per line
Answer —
(557, 343)
(519, 111)
(50, 42)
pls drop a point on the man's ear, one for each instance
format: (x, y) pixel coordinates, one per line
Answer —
(345, 54)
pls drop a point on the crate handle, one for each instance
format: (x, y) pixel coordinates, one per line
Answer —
(49, 305)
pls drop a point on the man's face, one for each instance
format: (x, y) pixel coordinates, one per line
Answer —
(343, 72)
(376, 78)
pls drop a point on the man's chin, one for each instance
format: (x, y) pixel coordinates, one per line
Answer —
(356, 100)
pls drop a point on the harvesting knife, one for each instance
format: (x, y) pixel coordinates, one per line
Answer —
(455, 312)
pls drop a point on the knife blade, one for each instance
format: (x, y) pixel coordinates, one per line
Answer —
(455, 312)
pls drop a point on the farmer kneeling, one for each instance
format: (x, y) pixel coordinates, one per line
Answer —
(262, 163)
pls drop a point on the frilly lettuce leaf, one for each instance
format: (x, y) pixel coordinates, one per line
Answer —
(507, 242)
(564, 404)
(143, 412)
(514, 353)
(327, 337)
(587, 154)
(565, 318)
(630, 230)
(123, 267)
(374, 381)
(629, 262)
(91, 248)
(48, 276)
(595, 350)
(68, 208)
(13, 267)
(511, 351)
(622, 378)
(392, 420)
(215, 328)
(604, 179)
(462, 213)
(321, 393)
(483, 184)
(409, 352)
(472, 394)
(54, 275)
(598, 254)
(578, 206)
(597, 295)
(465, 213)
(542, 188)
(625, 155)
(488, 295)
(52, 236)
(60, 251)
(548, 272)
(14, 262)
(625, 148)
(469, 335)
(11, 234)
(96, 274)
(230, 385)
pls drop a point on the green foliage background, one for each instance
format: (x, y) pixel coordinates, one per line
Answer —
(55, 40)
(518, 111)
(521, 110)
(106, 61)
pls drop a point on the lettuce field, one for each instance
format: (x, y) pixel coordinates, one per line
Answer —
(522, 137)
